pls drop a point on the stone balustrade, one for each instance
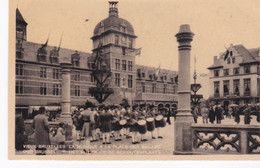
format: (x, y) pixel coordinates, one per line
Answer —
(225, 139)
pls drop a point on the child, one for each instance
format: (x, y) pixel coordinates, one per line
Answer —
(60, 136)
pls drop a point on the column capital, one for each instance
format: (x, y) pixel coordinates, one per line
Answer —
(184, 36)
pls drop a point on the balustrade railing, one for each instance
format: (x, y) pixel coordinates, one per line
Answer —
(225, 139)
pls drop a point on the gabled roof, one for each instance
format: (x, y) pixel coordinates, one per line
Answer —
(248, 56)
(19, 17)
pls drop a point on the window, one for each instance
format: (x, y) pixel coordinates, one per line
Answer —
(216, 73)
(117, 63)
(123, 38)
(123, 50)
(216, 89)
(19, 87)
(165, 88)
(131, 43)
(228, 61)
(43, 89)
(235, 71)
(247, 69)
(116, 39)
(19, 69)
(43, 71)
(143, 75)
(56, 73)
(226, 72)
(231, 53)
(123, 29)
(247, 87)
(124, 65)
(236, 87)
(76, 75)
(75, 62)
(138, 72)
(56, 89)
(130, 81)
(226, 87)
(143, 86)
(151, 76)
(130, 66)
(233, 60)
(77, 90)
(117, 79)
(153, 87)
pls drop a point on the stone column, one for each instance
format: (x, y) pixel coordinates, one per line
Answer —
(183, 134)
(65, 101)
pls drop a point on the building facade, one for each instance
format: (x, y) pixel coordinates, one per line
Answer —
(235, 79)
(38, 70)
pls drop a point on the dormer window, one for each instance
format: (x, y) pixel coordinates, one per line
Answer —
(75, 58)
(123, 28)
(228, 61)
(123, 39)
(101, 28)
(42, 54)
(216, 73)
(226, 72)
(247, 69)
(54, 56)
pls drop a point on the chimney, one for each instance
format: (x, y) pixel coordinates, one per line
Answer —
(215, 59)
(113, 11)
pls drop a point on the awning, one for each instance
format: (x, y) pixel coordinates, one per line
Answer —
(47, 108)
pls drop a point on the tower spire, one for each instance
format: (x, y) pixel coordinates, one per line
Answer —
(113, 11)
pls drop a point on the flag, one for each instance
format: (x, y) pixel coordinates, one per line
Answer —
(60, 42)
(157, 72)
(138, 51)
(226, 55)
(46, 43)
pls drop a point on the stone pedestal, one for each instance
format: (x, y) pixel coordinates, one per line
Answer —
(65, 116)
(183, 134)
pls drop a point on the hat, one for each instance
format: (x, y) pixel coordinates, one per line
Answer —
(81, 109)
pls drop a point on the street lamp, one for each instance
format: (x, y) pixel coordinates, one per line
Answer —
(195, 88)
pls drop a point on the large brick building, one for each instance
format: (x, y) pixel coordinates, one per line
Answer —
(236, 79)
(38, 70)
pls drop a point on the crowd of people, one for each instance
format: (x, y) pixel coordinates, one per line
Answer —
(101, 123)
(94, 123)
(216, 113)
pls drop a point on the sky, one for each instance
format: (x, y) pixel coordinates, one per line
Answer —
(215, 24)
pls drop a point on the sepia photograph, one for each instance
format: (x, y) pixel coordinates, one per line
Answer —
(134, 79)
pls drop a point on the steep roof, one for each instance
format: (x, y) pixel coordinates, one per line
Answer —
(19, 17)
(248, 56)
(152, 70)
(31, 49)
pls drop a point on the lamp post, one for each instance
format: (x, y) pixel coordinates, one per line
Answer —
(195, 88)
